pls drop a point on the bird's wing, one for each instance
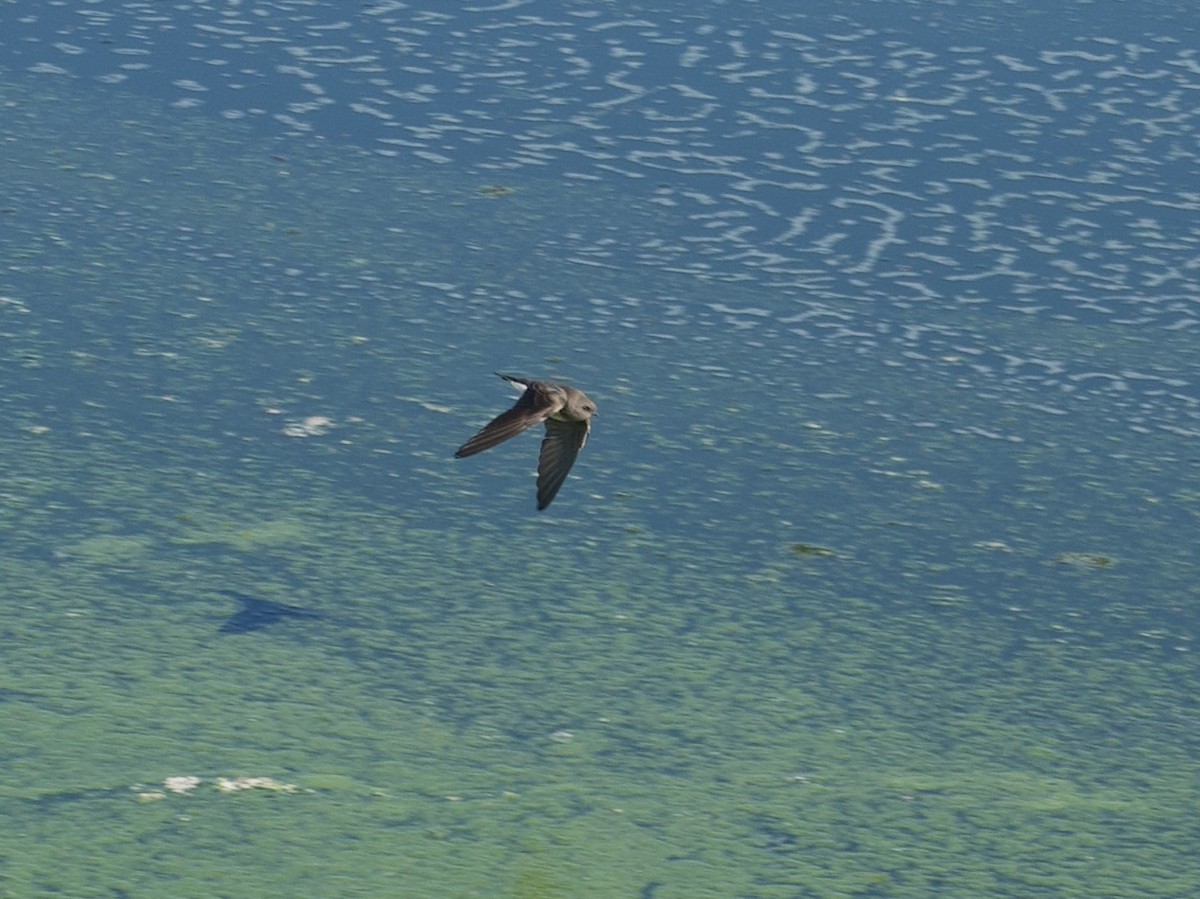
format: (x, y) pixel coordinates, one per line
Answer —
(536, 404)
(564, 440)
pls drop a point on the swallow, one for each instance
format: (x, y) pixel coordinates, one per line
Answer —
(567, 414)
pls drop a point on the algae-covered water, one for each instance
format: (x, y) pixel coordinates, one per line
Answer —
(876, 576)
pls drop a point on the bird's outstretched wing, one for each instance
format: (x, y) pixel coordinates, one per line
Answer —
(564, 440)
(536, 404)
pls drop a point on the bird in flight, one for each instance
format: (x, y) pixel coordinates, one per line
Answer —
(567, 414)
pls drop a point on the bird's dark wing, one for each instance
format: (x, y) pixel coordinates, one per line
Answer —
(536, 404)
(564, 440)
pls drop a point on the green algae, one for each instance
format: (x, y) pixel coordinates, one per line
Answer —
(503, 741)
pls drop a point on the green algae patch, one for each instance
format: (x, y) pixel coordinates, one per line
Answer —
(243, 536)
(109, 549)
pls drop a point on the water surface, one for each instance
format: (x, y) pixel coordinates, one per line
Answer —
(876, 576)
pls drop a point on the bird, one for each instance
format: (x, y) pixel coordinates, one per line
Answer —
(567, 414)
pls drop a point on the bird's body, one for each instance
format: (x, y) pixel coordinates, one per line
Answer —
(567, 414)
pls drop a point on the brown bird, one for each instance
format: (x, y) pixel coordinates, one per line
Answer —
(567, 413)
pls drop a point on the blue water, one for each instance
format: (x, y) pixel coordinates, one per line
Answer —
(890, 313)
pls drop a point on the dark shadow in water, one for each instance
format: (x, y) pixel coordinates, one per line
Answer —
(255, 613)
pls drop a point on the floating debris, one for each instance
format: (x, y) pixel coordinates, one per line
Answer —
(185, 784)
(809, 550)
(312, 426)
(1085, 560)
(241, 784)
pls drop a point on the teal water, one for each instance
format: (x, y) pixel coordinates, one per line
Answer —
(876, 577)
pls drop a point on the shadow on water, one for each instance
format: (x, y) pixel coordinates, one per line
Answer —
(256, 613)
